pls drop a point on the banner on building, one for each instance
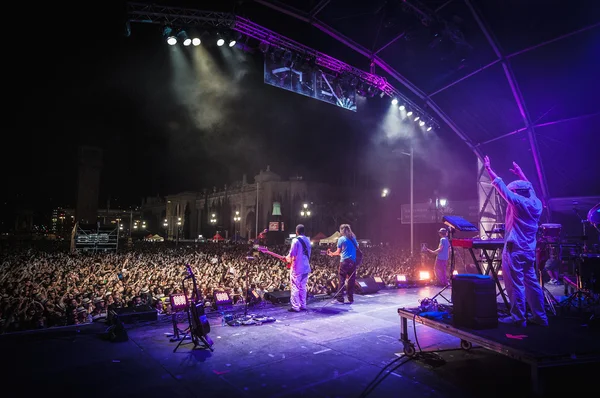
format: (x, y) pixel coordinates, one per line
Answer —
(427, 213)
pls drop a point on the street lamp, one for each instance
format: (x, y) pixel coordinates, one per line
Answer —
(412, 198)
(305, 212)
(213, 218)
(385, 192)
(237, 219)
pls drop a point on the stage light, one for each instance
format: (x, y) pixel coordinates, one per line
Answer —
(220, 42)
(232, 43)
(196, 41)
(171, 40)
(455, 272)
(421, 123)
(429, 128)
(178, 301)
(222, 298)
(394, 101)
(424, 275)
(417, 118)
(409, 113)
(401, 107)
(182, 35)
(401, 278)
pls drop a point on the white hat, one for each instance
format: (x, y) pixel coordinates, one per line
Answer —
(443, 230)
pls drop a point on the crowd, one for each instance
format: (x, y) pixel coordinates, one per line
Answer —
(46, 288)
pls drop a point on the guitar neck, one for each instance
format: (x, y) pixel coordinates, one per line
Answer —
(279, 256)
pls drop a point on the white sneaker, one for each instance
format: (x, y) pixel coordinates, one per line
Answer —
(509, 320)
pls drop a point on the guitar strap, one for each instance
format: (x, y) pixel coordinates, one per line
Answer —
(304, 249)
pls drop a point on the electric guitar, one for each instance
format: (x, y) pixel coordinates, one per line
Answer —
(263, 249)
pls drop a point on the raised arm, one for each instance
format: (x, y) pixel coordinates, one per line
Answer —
(518, 172)
(488, 168)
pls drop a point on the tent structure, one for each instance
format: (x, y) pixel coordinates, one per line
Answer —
(332, 239)
(516, 81)
(318, 237)
(218, 237)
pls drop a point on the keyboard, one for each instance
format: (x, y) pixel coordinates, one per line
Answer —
(488, 244)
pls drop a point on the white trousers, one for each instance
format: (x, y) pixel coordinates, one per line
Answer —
(521, 283)
(298, 290)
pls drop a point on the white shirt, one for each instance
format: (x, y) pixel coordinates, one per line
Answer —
(522, 217)
(301, 264)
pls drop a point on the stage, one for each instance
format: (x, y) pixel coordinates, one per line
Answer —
(331, 350)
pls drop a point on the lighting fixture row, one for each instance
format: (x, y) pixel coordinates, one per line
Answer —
(417, 118)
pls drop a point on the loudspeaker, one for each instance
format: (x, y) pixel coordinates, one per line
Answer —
(589, 270)
(278, 297)
(366, 286)
(142, 313)
(474, 302)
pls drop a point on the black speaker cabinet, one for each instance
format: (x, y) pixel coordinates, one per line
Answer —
(589, 270)
(366, 286)
(140, 313)
(474, 302)
(278, 297)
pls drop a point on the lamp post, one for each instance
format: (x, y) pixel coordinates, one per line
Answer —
(236, 220)
(412, 200)
(166, 227)
(305, 211)
(179, 222)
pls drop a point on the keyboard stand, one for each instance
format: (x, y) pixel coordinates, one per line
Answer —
(489, 255)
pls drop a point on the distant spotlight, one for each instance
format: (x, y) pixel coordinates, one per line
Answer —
(421, 123)
(417, 118)
(232, 43)
(424, 275)
(394, 101)
(401, 278)
(196, 41)
(409, 113)
(171, 40)
(402, 107)
(429, 128)
(182, 35)
(220, 42)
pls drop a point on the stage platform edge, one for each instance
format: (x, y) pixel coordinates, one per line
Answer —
(511, 349)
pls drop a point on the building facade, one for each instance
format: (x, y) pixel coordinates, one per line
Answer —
(244, 208)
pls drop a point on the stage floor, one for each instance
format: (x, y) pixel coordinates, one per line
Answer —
(331, 350)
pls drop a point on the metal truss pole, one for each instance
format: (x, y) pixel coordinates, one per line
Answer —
(519, 99)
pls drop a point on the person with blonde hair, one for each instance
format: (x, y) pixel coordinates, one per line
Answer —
(346, 248)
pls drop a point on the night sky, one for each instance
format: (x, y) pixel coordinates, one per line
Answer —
(162, 134)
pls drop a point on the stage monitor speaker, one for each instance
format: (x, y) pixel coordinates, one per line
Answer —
(141, 313)
(474, 302)
(278, 297)
(366, 286)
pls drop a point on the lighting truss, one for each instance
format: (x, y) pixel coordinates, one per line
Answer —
(186, 17)
(176, 16)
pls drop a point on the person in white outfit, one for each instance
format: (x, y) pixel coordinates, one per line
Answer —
(299, 258)
(523, 212)
(441, 261)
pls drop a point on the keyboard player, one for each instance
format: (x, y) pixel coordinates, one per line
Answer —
(523, 212)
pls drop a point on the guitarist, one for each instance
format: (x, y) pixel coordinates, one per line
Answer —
(347, 246)
(299, 257)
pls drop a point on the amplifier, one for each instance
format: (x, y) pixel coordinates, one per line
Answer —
(366, 286)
